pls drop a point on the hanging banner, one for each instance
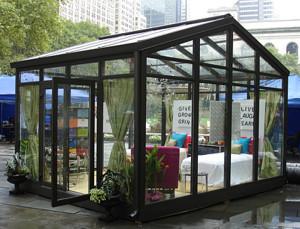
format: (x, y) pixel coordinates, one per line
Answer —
(182, 116)
(247, 114)
(247, 117)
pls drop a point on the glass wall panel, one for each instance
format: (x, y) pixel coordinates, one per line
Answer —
(29, 123)
(62, 140)
(29, 76)
(78, 138)
(270, 133)
(265, 67)
(118, 116)
(243, 54)
(242, 147)
(96, 132)
(58, 72)
(73, 149)
(213, 49)
(168, 136)
(243, 77)
(47, 135)
(160, 63)
(211, 137)
(168, 68)
(181, 51)
(84, 71)
(119, 66)
(212, 74)
(270, 81)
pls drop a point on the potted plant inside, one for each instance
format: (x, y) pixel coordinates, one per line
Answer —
(17, 172)
(109, 194)
(154, 169)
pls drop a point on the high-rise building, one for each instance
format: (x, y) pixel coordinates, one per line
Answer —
(163, 12)
(100, 12)
(223, 10)
(154, 17)
(129, 16)
(118, 15)
(175, 11)
(154, 11)
(255, 10)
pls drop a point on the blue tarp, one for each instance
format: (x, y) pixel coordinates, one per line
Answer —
(293, 105)
(7, 101)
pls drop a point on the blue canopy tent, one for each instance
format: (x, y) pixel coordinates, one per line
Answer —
(293, 105)
(7, 105)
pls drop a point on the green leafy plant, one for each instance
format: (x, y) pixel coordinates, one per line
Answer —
(154, 167)
(110, 187)
(127, 183)
(97, 195)
(16, 166)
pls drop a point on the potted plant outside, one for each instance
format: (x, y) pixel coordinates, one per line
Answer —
(109, 194)
(17, 172)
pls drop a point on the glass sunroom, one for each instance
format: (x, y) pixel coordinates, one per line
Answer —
(191, 114)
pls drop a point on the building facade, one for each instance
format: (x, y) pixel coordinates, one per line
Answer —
(284, 35)
(128, 16)
(255, 10)
(154, 17)
(99, 12)
(164, 12)
(175, 11)
(119, 16)
(223, 10)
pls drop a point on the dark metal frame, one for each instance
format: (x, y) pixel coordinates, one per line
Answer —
(140, 52)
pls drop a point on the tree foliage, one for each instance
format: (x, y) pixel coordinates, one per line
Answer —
(290, 61)
(27, 28)
(33, 27)
(77, 33)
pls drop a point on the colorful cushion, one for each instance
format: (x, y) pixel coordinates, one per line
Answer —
(187, 141)
(171, 142)
(245, 144)
(251, 146)
(180, 138)
(236, 148)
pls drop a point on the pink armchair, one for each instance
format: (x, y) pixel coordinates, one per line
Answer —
(171, 160)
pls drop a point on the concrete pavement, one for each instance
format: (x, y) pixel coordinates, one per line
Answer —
(276, 209)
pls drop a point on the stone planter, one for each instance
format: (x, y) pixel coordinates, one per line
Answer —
(17, 180)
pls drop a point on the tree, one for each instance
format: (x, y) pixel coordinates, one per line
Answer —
(290, 61)
(77, 33)
(26, 29)
(33, 27)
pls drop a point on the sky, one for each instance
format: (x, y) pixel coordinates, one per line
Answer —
(284, 9)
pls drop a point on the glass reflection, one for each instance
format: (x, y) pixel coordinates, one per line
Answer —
(168, 136)
(270, 133)
(211, 137)
(242, 136)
